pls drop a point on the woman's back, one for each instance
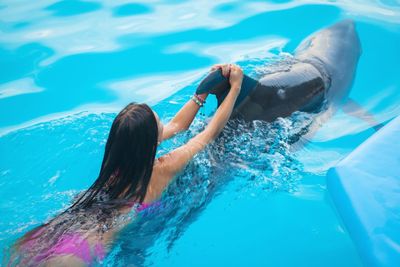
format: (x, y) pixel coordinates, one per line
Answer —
(79, 238)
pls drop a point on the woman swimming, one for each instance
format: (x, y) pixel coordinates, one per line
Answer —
(130, 178)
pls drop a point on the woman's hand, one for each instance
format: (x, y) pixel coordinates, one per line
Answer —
(231, 71)
(235, 77)
(225, 68)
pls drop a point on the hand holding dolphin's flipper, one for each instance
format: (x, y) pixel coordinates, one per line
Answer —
(215, 83)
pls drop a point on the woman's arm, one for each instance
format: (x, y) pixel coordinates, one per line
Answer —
(186, 114)
(182, 119)
(176, 160)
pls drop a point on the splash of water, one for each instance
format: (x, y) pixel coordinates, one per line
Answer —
(249, 158)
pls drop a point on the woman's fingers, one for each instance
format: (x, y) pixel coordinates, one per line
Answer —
(217, 66)
(225, 68)
(236, 77)
(234, 66)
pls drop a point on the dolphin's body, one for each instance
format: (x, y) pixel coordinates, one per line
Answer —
(323, 69)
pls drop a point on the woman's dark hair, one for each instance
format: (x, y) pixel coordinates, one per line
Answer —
(128, 158)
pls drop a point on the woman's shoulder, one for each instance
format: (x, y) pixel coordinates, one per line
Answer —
(160, 178)
(173, 162)
(162, 165)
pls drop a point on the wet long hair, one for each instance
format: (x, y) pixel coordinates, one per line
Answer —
(124, 176)
(128, 159)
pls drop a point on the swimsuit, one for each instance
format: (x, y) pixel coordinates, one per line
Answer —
(73, 244)
(67, 244)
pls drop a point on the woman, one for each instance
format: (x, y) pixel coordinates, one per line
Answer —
(130, 178)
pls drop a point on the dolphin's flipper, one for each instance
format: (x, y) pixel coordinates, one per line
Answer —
(217, 84)
(352, 108)
(214, 83)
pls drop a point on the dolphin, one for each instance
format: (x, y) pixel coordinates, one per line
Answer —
(322, 72)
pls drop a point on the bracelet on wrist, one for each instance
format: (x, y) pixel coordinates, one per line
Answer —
(202, 100)
(198, 102)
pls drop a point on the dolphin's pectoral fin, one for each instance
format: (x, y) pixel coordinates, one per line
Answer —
(352, 108)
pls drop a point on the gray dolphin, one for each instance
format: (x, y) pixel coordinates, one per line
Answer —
(322, 71)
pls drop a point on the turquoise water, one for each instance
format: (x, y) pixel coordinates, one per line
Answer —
(68, 67)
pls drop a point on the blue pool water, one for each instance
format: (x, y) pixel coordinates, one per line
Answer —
(68, 67)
